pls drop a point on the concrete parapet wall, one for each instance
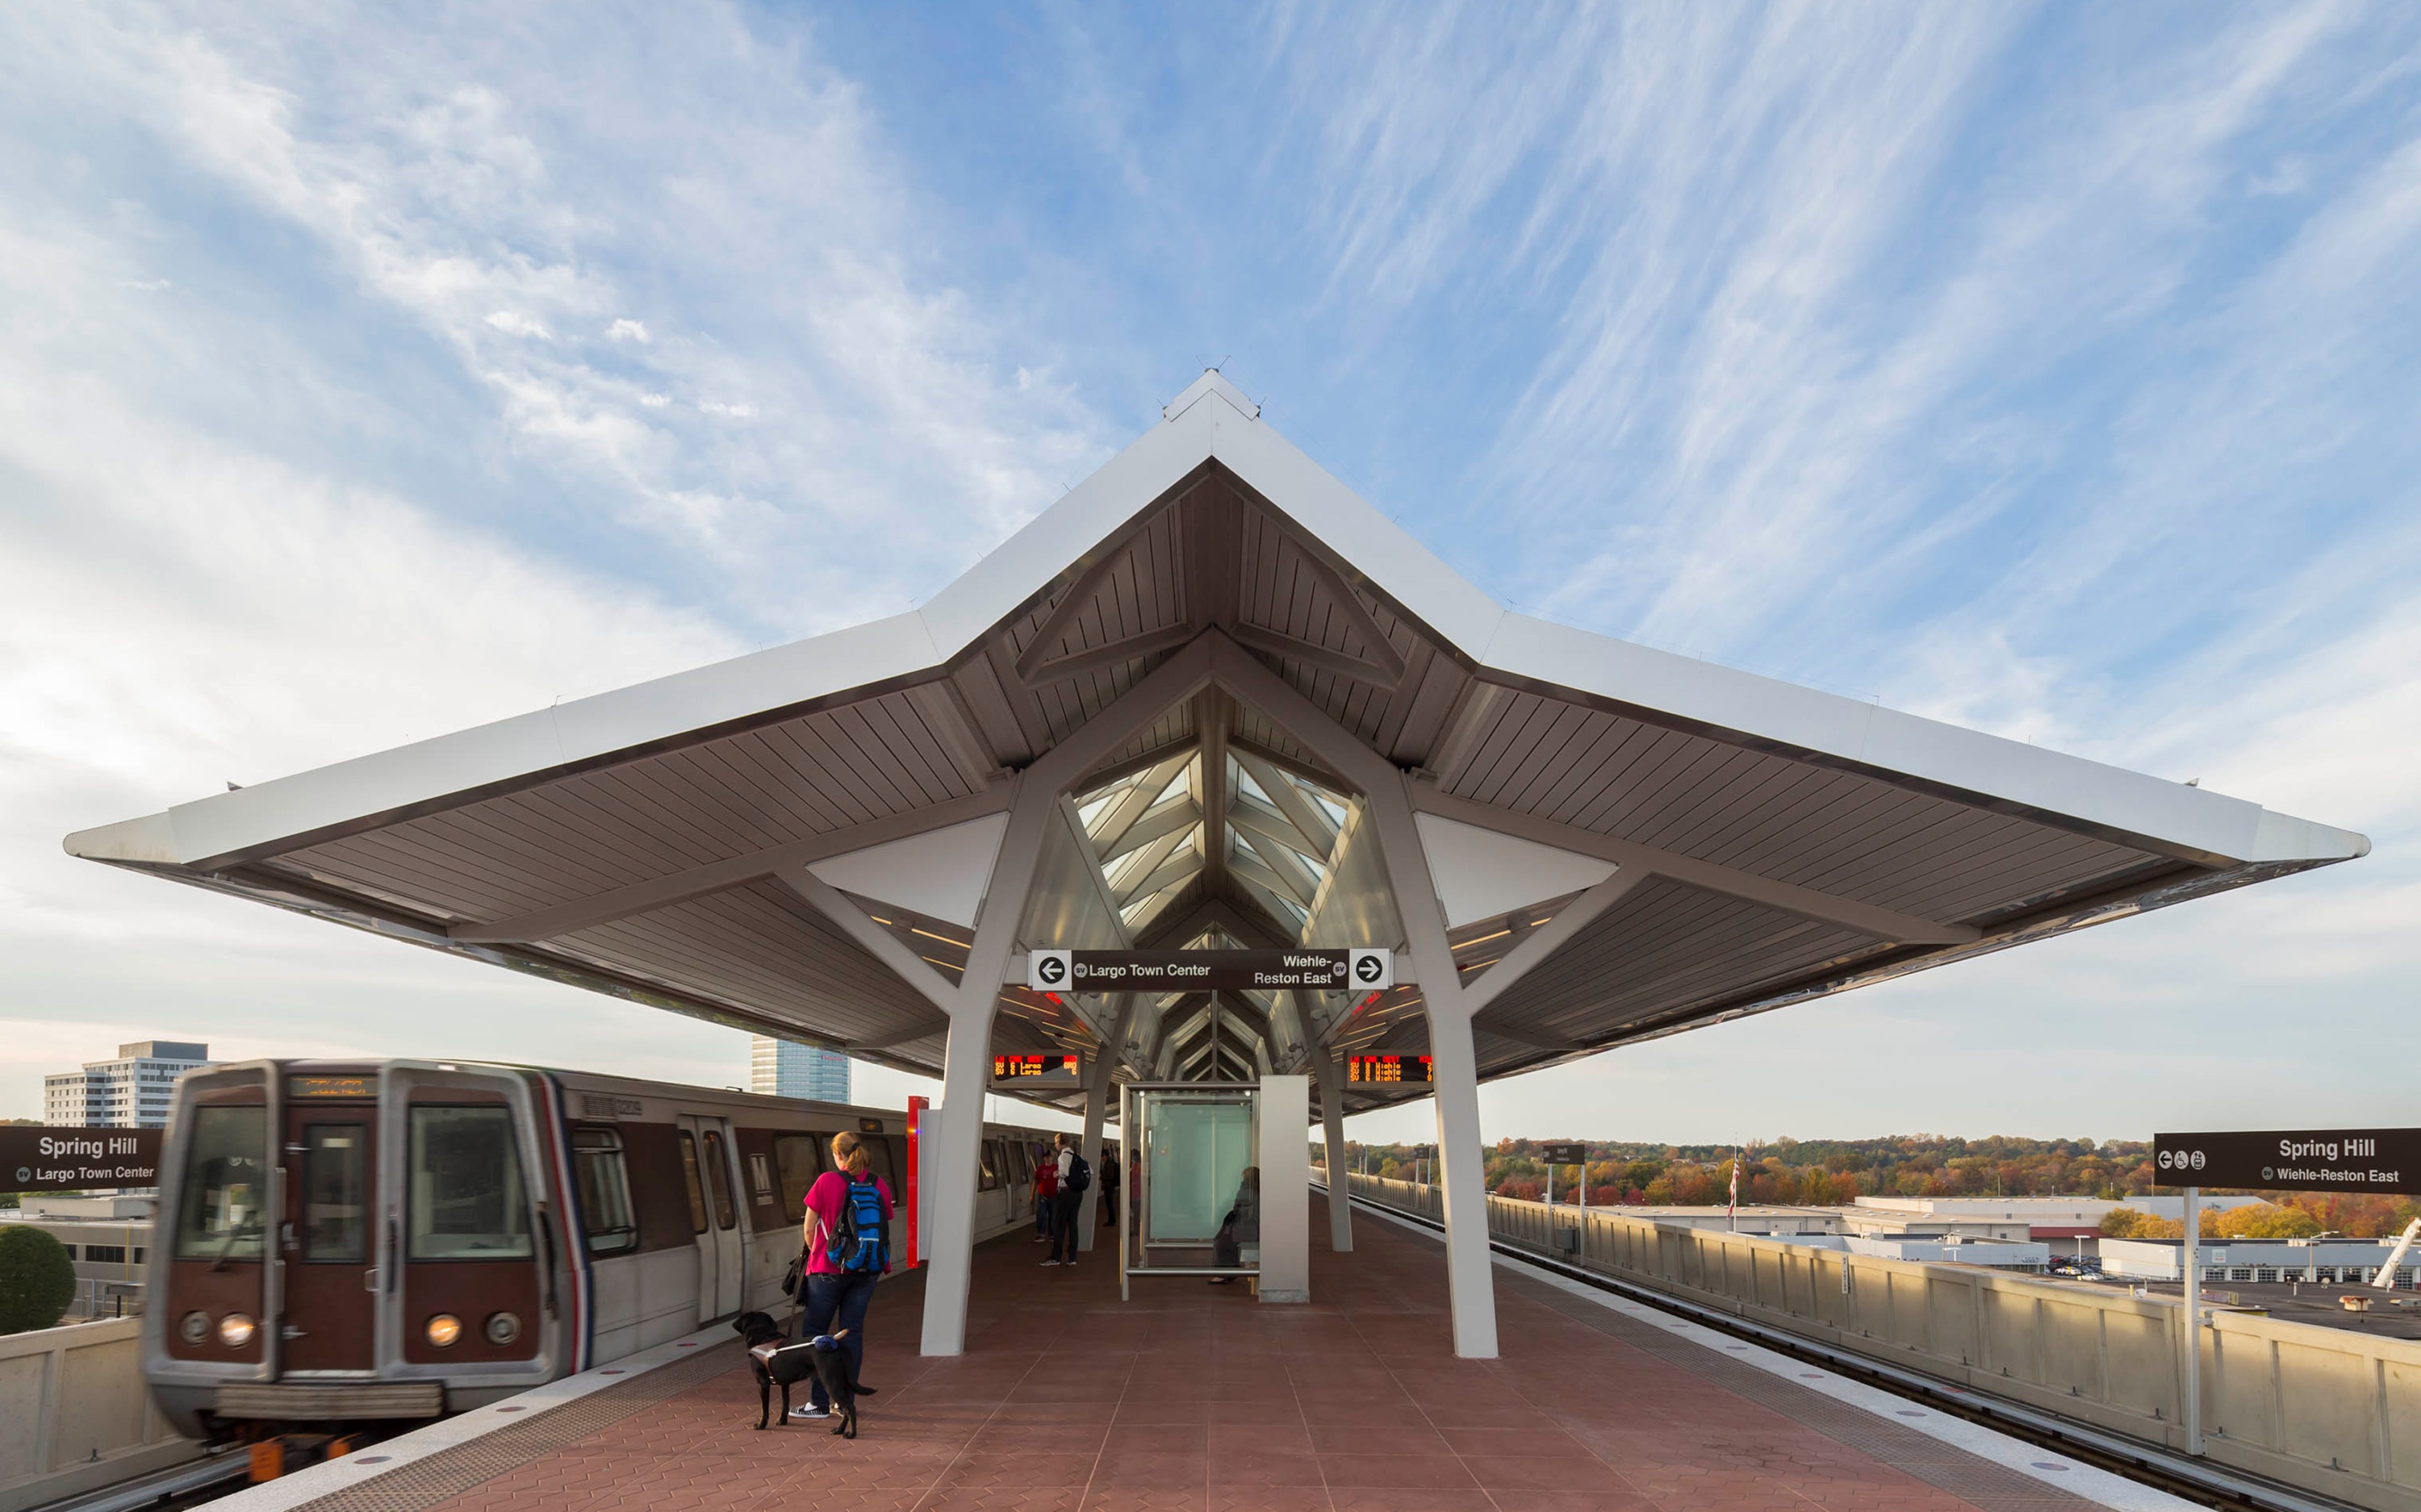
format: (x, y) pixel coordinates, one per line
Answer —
(2325, 1410)
(74, 1414)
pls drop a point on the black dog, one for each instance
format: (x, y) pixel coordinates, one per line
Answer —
(778, 1362)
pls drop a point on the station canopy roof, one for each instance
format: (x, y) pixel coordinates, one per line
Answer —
(660, 842)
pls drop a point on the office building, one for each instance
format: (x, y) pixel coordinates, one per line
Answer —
(131, 1091)
(782, 1069)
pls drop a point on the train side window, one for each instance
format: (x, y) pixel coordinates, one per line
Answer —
(990, 1174)
(467, 1200)
(219, 1213)
(718, 1166)
(889, 1151)
(604, 1190)
(1021, 1170)
(690, 1184)
(335, 1193)
(799, 1159)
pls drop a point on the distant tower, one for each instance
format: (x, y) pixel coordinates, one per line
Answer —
(781, 1068)
(131, 1091)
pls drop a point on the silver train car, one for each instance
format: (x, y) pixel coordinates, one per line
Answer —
(345, 1242)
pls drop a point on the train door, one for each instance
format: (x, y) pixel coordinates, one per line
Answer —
(714, 1213)
(331, 1275)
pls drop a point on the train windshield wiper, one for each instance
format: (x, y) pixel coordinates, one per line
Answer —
(234, 1238)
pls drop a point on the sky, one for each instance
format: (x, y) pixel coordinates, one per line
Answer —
(368, 373)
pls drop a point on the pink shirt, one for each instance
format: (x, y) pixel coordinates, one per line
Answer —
(824, 1199)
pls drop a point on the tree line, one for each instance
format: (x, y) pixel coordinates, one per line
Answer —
(1825, 1172)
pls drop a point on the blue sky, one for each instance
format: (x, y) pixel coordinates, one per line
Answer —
(366, 373)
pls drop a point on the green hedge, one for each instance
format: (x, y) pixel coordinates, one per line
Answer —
(36, 1278)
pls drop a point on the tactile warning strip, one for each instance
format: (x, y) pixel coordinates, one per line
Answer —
(1946, 1467)
(450, 1472)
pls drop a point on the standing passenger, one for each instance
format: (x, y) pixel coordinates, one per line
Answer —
(840, 1287)
(1046, 1188)
(1074, 1176)
(1109, 1186)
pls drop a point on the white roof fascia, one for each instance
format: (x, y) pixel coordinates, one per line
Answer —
(466, 760)
(1210, 419)
(1929, 750)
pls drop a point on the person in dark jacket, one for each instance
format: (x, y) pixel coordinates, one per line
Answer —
(1242, 1227)
(1109, 1180)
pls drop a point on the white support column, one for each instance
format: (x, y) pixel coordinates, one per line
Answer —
(1286, 1189)
(1097, 1100)
(1332, 1121)
(950, 1254)
(1471, 1280)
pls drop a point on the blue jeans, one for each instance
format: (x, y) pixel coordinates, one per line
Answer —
(835, 1302)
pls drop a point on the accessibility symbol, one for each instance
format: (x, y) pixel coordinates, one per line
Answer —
(1047, 971)
(1373, 971)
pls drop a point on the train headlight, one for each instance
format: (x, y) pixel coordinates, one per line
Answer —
(444, 1330)
(503, 1328)
(194, 1328)
(235, 1331)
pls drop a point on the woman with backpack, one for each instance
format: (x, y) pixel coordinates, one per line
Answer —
(848, 1235)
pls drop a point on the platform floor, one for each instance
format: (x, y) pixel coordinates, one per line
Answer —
(1197, 1398)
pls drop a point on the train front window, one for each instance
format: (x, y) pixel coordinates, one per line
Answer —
(220, 1215)
(604, 1190)
(467, 1201)
(336, 1188)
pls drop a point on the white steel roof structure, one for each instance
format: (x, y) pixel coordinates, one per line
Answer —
(1211, 697)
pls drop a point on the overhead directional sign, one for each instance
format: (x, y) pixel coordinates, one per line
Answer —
(1210, 971)
(2385, 1161)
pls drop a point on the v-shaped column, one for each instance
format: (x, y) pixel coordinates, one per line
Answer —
(971, 1001)
(1449, 1004)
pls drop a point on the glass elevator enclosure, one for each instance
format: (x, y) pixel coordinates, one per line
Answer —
(1193, 1204)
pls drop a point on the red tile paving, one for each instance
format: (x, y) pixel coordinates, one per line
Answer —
(1196, 1398)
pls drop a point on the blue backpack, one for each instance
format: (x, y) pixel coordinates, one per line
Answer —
(862, 1240)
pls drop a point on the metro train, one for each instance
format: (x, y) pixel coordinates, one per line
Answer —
(342, 1242)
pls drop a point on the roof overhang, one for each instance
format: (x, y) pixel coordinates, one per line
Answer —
(1647, 841)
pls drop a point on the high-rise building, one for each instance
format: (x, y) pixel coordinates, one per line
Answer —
(781, 1068)
(129, 1091)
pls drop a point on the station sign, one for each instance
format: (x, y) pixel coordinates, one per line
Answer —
(1407, 1069)
(37, 1159)
(1037, 1069)
(1564, 1154)
(2382, 1161)
(1210, 970)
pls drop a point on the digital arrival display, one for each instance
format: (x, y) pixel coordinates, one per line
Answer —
(1404, 1069)
(1034, 1067)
